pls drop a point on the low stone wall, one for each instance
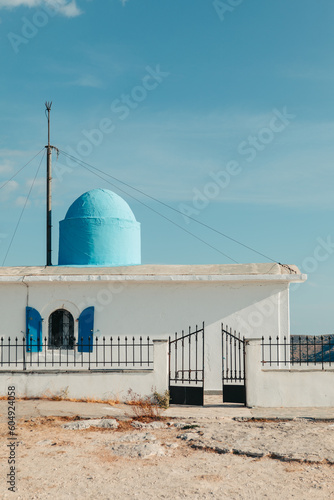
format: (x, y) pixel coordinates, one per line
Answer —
(281, 387)
(97, 384)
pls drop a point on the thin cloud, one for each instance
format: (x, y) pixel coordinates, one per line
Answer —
(87, 81)
(7, 190)
(67, 8)
(21, 201)
(14, 153)
(5, 168)
(294, 170)
(10, 186)
(307, 73)
(38, 186)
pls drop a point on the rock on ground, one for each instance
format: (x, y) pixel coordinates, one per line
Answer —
(103, 423)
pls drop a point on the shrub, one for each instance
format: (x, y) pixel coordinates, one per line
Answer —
(143, 407)
(162, 399)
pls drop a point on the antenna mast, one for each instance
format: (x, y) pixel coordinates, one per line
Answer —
(48, 190)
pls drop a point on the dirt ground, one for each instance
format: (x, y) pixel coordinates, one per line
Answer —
(173, 462)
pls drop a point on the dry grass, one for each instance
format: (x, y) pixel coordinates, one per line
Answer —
(55, 397)
(143, 408)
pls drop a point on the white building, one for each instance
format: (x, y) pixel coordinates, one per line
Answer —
(60, 319)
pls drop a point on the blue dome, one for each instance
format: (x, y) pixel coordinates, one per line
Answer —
(100, 203)
(99, 230)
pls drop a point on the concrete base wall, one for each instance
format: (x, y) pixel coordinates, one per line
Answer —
(286, 388)
(97, 384)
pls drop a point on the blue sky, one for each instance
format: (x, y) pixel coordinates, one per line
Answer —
(222, 109)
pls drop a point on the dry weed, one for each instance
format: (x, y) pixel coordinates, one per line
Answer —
(143, 408)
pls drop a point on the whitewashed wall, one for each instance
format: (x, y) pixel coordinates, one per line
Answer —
(152, 308)
(288, 388)
(97, 384)
(253, 305)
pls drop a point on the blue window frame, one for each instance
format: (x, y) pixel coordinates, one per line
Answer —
(33, 330)
(86, 330)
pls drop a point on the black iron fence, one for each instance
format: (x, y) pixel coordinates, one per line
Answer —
(186, 367)
(186, 357)
(233, 352)
(233, 366)
(100, 353)
(300, 350)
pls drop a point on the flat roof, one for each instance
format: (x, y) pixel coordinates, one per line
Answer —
(156, 272)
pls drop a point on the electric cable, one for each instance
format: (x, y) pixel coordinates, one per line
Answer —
(170, 207)
(23, 209)
(5, 184)
(83, 163)
(158, 213)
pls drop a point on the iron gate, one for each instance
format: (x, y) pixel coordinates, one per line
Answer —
(186, 367)
(234, 380)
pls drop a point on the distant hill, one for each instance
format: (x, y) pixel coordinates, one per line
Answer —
(307, 348)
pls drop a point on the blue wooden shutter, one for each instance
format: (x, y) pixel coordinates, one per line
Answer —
(33, 330)
(86, 330)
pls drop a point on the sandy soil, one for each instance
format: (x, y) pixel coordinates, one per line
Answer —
(58, 463)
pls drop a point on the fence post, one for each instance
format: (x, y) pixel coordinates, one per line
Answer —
(161, 365)
(253, 369)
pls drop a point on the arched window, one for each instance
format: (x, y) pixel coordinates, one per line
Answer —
(61, 330)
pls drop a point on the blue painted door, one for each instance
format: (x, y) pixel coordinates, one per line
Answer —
(86, 330)
(33, 330)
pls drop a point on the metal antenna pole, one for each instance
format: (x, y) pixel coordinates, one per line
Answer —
(48, 192)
